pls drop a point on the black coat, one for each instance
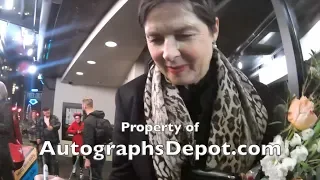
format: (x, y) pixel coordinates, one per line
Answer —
(129, 108)
(6, 134)
(46, 135)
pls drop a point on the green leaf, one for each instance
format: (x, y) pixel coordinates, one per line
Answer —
(316, 129)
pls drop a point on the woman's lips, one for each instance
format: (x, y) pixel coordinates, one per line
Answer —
(176, 69)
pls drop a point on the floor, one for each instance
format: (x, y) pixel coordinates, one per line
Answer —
(65, 168)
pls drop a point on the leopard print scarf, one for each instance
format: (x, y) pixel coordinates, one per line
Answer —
(241, 119)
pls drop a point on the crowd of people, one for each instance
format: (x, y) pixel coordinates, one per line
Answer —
(45, 128)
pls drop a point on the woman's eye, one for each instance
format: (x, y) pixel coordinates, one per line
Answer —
(183, 36)
(156, 40)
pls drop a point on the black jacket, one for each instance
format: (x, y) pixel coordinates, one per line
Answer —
(89, 129)
(129, 108)
(46, 135)
(6, 134)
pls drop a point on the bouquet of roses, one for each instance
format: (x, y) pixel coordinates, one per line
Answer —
(300, 141)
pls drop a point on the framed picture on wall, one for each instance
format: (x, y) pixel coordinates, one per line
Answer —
(68, 109)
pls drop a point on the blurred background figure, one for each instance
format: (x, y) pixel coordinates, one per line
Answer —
(76, 129)
(32, 129)
(16, 125)
(6, 135)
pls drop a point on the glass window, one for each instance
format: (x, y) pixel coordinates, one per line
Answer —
(307, 14)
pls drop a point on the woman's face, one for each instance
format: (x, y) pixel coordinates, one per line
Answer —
(179, 42)
(78, 119)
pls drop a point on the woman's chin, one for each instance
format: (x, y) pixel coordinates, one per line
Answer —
(181, 80)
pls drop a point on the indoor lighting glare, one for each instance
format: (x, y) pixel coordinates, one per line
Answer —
(91, 62)
(28, 40)
(267, 38)
(8, 4)
(32, 69)
(240, 65)
(79, 73)
(111, 44)
(30, 52)
(40, 77)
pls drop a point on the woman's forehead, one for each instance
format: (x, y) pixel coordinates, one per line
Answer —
(173, 19)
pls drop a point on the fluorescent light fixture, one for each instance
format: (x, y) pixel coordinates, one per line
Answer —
(30, 52)
(91, 62)
(111, 44)
(240, 65)
(8, 4)
(32, 69)
(79, 73)
(266, 38)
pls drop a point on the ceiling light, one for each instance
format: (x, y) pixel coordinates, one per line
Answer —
(111, 44)
(28, 40)
(30, 52)
(32, 69)
(79, 73)
(8, 4)
(240, 65)
(91, 62)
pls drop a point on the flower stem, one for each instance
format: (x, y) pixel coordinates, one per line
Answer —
(315, 90)
(305, 85)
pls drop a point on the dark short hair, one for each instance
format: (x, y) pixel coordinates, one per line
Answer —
(45, 109)
(204, 10)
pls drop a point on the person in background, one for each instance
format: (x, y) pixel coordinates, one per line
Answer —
(32, 128)
(6, 135)
(47, 130)
(16, 125)
(190, 82)
(92, 116)
(76, 129)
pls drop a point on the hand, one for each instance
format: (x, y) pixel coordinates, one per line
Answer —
(38, 141)
(87, 164)
(79, 132)
(245, 177)
(50, 128)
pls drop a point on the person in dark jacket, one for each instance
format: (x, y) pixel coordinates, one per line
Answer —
(47, 130)
(92, 116)
(190, 82)
(6, 135)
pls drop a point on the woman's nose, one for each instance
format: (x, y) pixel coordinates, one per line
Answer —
(170, 49)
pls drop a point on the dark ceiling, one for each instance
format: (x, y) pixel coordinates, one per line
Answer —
(73, 24)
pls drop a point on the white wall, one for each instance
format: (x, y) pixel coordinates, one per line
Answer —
(103, 99)
(136, 70)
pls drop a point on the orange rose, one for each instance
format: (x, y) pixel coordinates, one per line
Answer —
(301, 114)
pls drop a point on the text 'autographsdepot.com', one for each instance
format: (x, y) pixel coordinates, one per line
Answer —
(169, 148)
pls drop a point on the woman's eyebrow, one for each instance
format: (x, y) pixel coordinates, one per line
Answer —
(155, 32)
(186, 28)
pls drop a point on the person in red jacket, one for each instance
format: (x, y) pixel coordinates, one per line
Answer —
(76, 129)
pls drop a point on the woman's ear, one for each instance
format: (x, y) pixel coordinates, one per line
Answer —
(216, 30)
